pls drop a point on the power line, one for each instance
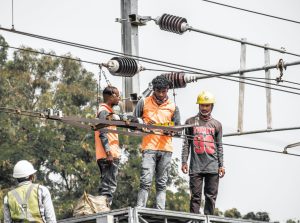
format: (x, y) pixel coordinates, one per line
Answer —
(243, 41)
(52, 55)
(144, 59)
(183, 136)
(261, 131)
(251, 11)
(238, 77)
(94, 63)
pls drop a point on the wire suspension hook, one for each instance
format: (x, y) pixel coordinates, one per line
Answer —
(280, 66)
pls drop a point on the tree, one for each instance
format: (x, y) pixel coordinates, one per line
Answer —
(292, 221)
(218, 212)
(232, 213)
(63, 154)
(33, 82)
(262, 216)
(250, 215)
(259, 216)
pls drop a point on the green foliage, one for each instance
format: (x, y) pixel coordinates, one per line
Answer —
(259, 216)
(292, 221)
(232, 213)
(218, 212)
(64, 155)
(3, 50)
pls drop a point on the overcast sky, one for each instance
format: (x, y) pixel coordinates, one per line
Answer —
(254, 180)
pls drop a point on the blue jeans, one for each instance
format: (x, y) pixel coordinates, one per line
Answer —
(157, 162)
(109, 173)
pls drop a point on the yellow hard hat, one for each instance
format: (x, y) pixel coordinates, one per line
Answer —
(205, 97)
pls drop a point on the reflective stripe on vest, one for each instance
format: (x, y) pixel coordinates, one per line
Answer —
(160, 114)
(113, 138)
(24, 204)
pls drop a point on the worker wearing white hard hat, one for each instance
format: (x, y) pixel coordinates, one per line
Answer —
(28, 202)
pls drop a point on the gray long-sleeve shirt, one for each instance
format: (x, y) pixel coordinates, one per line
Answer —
(45, 205)
(204, 143)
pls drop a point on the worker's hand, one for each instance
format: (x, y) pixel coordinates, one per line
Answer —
(185, 168)
(221, 172)
(109, 157)
(151, 122)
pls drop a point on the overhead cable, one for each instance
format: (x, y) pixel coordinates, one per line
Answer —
(52, 55)
(68, 120)
(95, 63)
(251, 11)
(179, 25)
(195, 78)
(145, 59)
(260, 131)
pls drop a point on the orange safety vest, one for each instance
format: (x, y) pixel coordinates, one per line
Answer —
(159, 114)
(113, 138)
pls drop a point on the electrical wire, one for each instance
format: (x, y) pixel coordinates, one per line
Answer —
(144, 59)
(254, 12)
(238, 77)
(49, 54)
(182, 136)
(94, 63)
(191, 137)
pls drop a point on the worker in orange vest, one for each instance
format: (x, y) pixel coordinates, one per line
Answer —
(156, 150)
(107, 147)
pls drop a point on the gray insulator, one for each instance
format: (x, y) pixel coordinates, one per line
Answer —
(128, 67)
(172, 23)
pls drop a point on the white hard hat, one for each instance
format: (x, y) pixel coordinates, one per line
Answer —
(22, 169)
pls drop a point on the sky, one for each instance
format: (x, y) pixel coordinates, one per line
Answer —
(254, 181)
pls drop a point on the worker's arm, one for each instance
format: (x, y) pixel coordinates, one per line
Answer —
(176, 116)
(185, 150)
(6, 212)
(103, 135)
(219, 144)
(139, 109)
(47, 201)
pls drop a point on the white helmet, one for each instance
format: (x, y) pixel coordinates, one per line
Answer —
(22, 169)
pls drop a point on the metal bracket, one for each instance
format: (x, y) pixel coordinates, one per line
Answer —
(139, 20)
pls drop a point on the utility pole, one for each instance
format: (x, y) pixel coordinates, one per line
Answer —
(130, 46)
(268, 90)
(242, 87)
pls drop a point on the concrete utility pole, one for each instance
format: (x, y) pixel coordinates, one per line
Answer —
(268, 90)
(130, 46)
(242, 87)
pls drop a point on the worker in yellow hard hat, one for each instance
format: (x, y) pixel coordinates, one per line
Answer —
(28, 202)
(206, 155)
